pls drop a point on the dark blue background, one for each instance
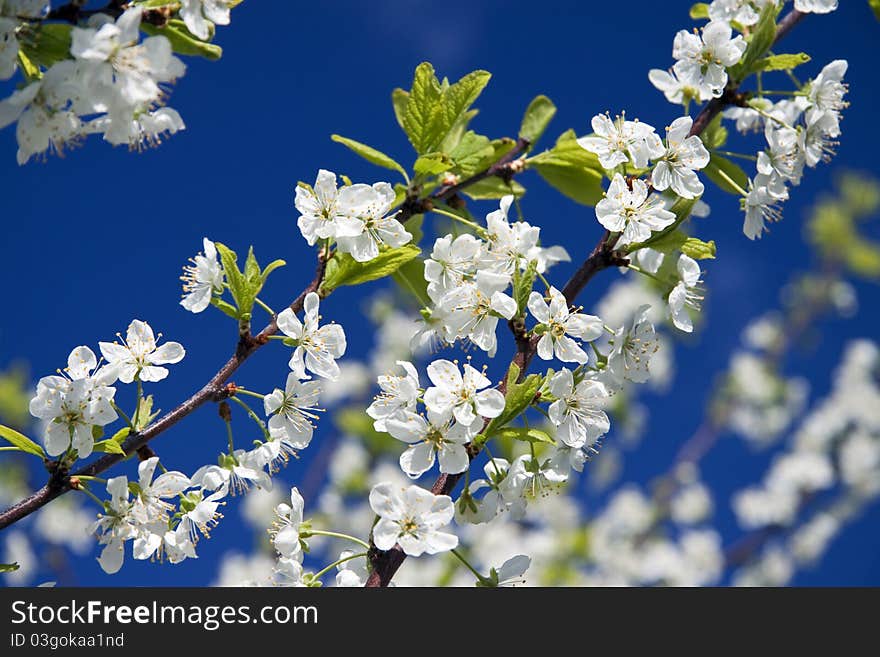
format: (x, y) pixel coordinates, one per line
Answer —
(97, 238)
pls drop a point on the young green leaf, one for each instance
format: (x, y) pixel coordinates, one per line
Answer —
(432, 164)
(45, 44)
(182, 40)
(370, 154)
(538, 115)
(493, 188)
(517, 398)
(782, 62)
(473, 153)
(108, 446)
(342, 269)
(9, 567)
(570, 169)
(526, 435)
(698, 249)
(21, 441)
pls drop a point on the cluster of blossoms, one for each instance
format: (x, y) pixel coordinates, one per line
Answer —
(75, 404)
(468, 278)
(799, 131)
(355, 217)
(109, 83)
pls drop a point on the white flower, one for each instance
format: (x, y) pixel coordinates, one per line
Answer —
(760, 206)
(632, 211)
(114, 526)
(633, 348)
(71, 408)
(352, 571)
(510, 246)
(702, 59)
(292, 412)
(483, 510)
(674, 89)
(199, 14)
(285, 532)
(577, 411)
(399, 393)
(41, 109)
(452, 262)
(511, 572)
(618, 141)
(317, 347)
(239, 470)
(322, 214)
(826, 95)
(740, 11)
(474, 309)
(135, 126)
(151, 509)
(369, 206)
(138, 357)
(560, 323)
(202, 516)
(121, 69)
(685, 294)
(202, 279)
(815, 6)
(452, 391)
(684, 155)
(435, 435)
(412, 518)
(290, 571)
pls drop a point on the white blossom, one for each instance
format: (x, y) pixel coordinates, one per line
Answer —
(292, 413)
(633, 347)
(685, 295)
(463, 395)
(632, 212)
(202, 279)
(399, 394)
(317, 347)
(684, 156)
(199, 14)
(411, 517)
(435, 434)
(577, 411)
(139, 357)
(702, 59)
(619, 141)
(369, 207)
(563, 328)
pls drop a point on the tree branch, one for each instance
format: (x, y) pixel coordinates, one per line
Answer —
(214, 390)
(385, 564)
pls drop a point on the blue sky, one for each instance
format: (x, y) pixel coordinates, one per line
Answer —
(98, 238)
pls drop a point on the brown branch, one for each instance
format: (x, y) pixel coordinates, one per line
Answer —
(385, 564)
(215, 390)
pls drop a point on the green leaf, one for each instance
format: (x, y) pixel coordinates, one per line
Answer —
(9, 567)
(760, 40)
(234, 278)
(517, 398)
(527, 435)
(46, 44)
(433, 112)
(423, 105)
(370, 154)
(342, 269)
(272, 266)
(875, 7)
(30, 70)
(782, 62)
(699, 10)
(109, 446)
(182, 40)
(538, 115)
(399, 99)
(727, 175)
(698, 249)
(523, 282)
(226, 307)
(21, 441)
(432, 164)
(120, 436)
(145, 413)
(715, 134)
(493, 188)
(571, 170)
(411, 278)
(472, 154)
